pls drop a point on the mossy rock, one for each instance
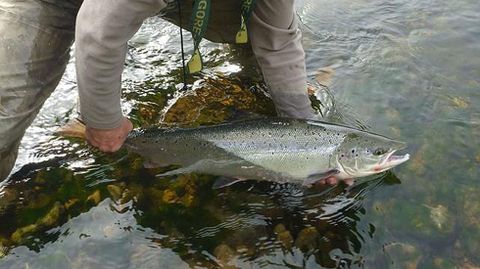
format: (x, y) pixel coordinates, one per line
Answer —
(471, 207)
(3, 247)
(307, 239)
(283, 236)
(402, 255)
(439, 263)
(214, 101)
(115, 192)
(224, 254)
(431, 222)
(469, 243)
(49, 220)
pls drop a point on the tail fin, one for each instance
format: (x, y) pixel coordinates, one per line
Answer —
(73, 128)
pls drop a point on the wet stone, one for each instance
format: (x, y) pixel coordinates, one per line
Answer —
(169, 197)
(440, 216)
(7, 198)
(224, 254)
(52, 216)
(71, 202)
(307, 238)
(49, 220)
(127, 195)
(403, 255)
(471, 207)
(3, 248)
(95, 197)
(440, 263)
(115, 192)
(283, 236)
(460, 102)
(417, 163)
(40, 201)
(432, 222)
(469, 245)
(213, 101)
(20, 233)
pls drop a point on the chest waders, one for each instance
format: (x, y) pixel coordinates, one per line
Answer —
(199, 23)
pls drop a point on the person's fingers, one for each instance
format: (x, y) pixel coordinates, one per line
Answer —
(129, 126)
(331, 181)
(349, 181)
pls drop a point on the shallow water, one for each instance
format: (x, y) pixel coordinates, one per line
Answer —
(406, 69)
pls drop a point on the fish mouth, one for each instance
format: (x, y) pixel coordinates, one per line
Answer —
(392, 160)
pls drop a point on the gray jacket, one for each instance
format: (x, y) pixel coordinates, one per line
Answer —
(103, 28)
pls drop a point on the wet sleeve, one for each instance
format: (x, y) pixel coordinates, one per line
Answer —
(103, 28)
(277, 44)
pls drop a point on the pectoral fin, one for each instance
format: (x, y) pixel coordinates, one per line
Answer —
(312, 179)
(178, 171)
(223, 182)
(151, 164)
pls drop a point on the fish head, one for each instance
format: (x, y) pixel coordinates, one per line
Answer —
(363, 154)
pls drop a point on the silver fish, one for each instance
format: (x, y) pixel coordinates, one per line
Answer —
(276, 149)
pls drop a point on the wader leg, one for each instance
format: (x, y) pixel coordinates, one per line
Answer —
(277, 44)
(35, 40)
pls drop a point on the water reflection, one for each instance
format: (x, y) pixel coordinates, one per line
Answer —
(405, 68)
(50, 215)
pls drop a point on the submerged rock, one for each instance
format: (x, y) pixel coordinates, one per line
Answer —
(417, 163)
(95, 197)
(224, 254)
(432, 223)
(49, 220)
(307, 239)
(53, 216)
(440, 262)
(283, 236)
(324, 76)
(471, 207)
(71, 203)
(469, 245)
(440, 216)
(214, 101)
(403, 255)
(3, 248)
(169, 197)
(7, 198)
(115, 192)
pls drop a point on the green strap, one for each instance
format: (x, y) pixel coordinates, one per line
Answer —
(247, 9)
(198, 26)
(199, 23)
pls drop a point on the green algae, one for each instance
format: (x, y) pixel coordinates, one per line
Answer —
(49, 220)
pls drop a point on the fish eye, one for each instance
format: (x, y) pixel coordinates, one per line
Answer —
(379, 151)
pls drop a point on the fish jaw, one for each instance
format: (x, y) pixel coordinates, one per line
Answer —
(387, 162)
(391, 161)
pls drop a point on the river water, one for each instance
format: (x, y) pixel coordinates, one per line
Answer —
(406, 69)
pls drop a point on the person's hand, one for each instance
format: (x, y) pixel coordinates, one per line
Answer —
(109, 140)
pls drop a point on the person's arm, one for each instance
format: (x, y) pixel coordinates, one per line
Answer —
(103, 28)
(276, 42)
